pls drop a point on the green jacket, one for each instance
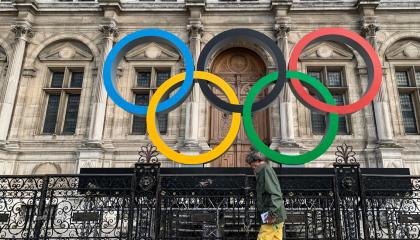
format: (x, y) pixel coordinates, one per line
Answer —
(269, 196)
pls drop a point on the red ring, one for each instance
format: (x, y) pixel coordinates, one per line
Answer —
(343, 109)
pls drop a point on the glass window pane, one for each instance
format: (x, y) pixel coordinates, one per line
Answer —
(342, 120)
(407, 110)
(163, 123)
(51, 114)
(317, 119)
(139, 123)
(418, 78)
(72, 110)
(315, 74)
(57, 79)
(143, 79)
(334, 79)
(318, 123)
(76, 79)
(162, 76)
(163, 119)
(402, 78)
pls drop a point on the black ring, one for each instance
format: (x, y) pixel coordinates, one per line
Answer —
(254, 37)
(350, 42)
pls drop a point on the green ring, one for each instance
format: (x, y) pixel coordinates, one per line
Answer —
(275, 156)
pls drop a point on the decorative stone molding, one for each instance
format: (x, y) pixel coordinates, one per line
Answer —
(47, 168)
(110, 30)
(408, 50)
(66, 51)
(152, 51)
(22, 31)
(369, 26)
(195, 29)
(282, 28)
(327, 50)
(29, 72)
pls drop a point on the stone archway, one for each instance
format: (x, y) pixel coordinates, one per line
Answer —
(241, 68)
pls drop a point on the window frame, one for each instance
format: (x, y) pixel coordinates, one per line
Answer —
(63, 92)
(134, 90)
(343, 90)
(413, 89)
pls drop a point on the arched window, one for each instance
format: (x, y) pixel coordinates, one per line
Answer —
(404, 57)
(64, 78)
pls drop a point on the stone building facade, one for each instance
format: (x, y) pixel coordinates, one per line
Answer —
(55, 116)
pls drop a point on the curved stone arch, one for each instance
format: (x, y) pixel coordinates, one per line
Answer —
(7, 48)
(262, 53)
(394, 39)
(60, 37)
(47, 168)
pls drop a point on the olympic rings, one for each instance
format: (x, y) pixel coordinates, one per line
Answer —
(253, 37)
(126, 44)
(368, 54)
(275, 156)
(189, 159)
(186, 80)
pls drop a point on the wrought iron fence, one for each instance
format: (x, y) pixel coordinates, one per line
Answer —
(151, 203)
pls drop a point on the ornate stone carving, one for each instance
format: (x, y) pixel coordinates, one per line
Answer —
(195, 29)
(282, 29)
(238, 63)
(411, 51)
(109, 30)
(369, 26)
(324, 52)
(403, 50)
(23, 31)
(152, 52)
(327, 50)
(66, 51)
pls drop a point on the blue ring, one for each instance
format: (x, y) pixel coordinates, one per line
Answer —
(126, 44)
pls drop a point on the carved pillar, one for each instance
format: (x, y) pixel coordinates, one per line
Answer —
(89, 157)
(23, 31)
(192, 105)
(380, 103)
(287, 135)
(283, 137)
(388, 154)
(110, 32)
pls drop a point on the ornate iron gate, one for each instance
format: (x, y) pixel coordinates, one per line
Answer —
(206, 205)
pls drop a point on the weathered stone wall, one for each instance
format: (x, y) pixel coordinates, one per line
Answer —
(79, 34)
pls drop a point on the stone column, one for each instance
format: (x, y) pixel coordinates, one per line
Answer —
(380, 103)
(110, 32)
(387, 152)
(283, 139)
(92, 153)
(195, 30)
(192, 105)
(287, 135)
(23, 31)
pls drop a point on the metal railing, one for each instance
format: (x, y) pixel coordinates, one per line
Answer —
(151, 203)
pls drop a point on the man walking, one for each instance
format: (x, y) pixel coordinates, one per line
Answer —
(270, 204)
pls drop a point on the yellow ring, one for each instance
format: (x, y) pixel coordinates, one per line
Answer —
(192, 159)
